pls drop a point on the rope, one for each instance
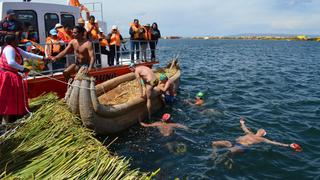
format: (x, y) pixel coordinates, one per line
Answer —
(63, 82)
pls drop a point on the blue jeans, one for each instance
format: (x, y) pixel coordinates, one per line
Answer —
(135, 47)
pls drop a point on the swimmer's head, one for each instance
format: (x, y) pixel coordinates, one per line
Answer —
(261, 132)
(200, 95)
(163, 77)
(165, 117)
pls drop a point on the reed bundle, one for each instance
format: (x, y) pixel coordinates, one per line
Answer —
(52, 144)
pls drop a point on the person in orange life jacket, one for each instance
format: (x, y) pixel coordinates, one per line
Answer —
(93, 28)
(114, 38)
(13, 92)
(144, 43)
(104, 44)
(155, 35)
(53, 46)
(136, 32)
(165, 125)
(62, 33)
(82, 7)
(83, 50)
(9, 25)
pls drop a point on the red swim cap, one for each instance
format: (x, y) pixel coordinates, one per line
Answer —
(296, 147)
(165, 117)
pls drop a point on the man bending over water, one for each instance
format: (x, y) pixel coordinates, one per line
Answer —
(165, 126)
(243, 142)
(83, 51)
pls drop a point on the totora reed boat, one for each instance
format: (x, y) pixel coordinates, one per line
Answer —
(114, 105)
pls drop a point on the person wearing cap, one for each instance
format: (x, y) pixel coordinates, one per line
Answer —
(145, 77)
(114, 38)
(165, 125)
(155, 35)
(62, 33)
(242, 143)
(13, 91)
(168, 89)
(9, 25)
(53, 46)
(83, 51)
(136, 32)
(199, 99)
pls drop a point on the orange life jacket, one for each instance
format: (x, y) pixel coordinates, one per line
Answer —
(55, 46)
(115, 39)
(147, 34)
(63, 35)
(137, 34)
(94, 32)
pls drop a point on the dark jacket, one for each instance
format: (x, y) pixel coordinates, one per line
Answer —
(155, 34)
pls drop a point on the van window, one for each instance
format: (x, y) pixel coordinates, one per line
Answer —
(50, 20)
(29, 21)
(68, 20)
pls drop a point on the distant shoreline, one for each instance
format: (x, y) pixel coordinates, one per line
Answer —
(292, 38)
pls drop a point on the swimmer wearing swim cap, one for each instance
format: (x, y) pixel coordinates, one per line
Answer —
(199, 99)
(167, 88)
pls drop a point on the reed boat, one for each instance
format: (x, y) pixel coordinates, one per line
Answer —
(114, 105)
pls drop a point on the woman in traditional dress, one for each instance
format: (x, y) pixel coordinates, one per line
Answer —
(13, 91)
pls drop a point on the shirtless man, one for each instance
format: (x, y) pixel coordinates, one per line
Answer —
(167, 88)
(145, 75)
(243, 142)
(165, 126)
(83, 51)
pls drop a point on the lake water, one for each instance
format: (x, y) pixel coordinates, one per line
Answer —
(274, 85)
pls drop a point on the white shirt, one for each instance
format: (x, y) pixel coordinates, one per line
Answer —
(10, 54)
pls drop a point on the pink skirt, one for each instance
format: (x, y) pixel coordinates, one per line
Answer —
(13, 94)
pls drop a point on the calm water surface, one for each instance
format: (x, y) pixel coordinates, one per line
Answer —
(273, 84)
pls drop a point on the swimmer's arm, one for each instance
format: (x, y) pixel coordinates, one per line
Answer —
(91, 55)
(275, 143)
(181, 126)
(68, 49)
(244, 127)
(149, 125)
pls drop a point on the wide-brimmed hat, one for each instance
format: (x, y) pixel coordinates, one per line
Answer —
(58, 25)
(114, 27)
(81, 21)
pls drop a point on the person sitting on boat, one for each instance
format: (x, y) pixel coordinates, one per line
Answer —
(136, 32)
(146, 77)
(114, 38)
(83, 51)
(9, 25)
(243, 142)
(165, 125)
(167, 88)
(62, 33)
(13, 91)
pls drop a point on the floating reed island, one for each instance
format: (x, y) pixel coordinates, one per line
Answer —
(53, 144)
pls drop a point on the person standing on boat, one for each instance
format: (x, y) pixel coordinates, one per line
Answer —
(243, 142)
(13, 91)
(155, 35)
(167, 88)
(62, 33)
(165, 125)
(9, 25)
(83, 51)
(114, 39)
(146, 77)
(136, 32)
(144, 43)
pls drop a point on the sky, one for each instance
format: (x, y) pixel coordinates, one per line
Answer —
(214, 17)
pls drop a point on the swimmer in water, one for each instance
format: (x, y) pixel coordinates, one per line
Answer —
(165, 125)
(243, 142)
(199, 99)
